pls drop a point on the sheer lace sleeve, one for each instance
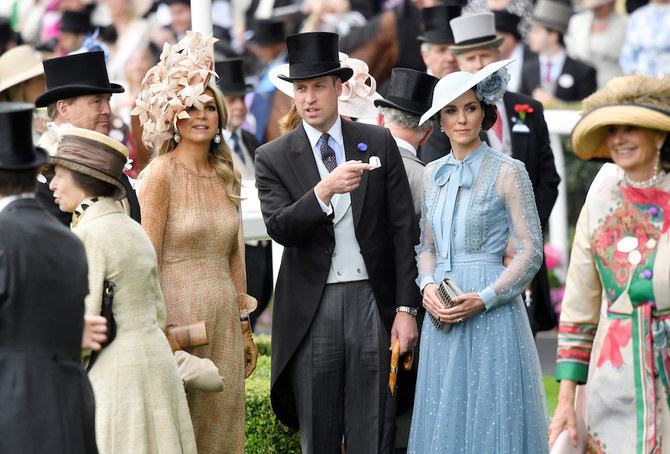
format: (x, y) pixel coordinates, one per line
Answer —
(515, 189)
(426, 259)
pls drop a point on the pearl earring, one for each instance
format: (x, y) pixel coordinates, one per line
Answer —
(217, 137)
(441, 128)
(176, 136)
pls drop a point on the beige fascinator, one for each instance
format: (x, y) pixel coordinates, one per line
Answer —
(357, 97)
(177, 82)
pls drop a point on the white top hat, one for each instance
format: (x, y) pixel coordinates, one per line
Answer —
(473, 32)
(455, 84)
(357, 98)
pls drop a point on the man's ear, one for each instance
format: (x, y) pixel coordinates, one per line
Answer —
(380, 119)
(426, 136)
(62, 108)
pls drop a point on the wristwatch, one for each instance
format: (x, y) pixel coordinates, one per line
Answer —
(408, 310)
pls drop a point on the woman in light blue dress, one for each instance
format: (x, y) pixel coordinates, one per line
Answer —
(479, 387)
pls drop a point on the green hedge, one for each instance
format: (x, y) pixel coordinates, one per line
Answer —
(264, 434)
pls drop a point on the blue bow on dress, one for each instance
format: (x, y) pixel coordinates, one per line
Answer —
(450, 177)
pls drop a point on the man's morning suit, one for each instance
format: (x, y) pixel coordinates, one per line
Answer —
(384, 227)
(576, 81)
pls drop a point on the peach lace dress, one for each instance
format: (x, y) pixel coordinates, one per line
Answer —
(197, 232)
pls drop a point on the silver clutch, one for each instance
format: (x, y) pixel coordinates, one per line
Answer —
(447, 291)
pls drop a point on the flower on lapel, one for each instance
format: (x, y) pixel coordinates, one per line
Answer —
(375, 162)
(522, 109)
(362, 146)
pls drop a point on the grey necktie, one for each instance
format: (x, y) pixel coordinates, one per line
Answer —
(236, 146)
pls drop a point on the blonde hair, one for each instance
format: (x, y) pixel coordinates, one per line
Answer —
(220, 156)
(291, 120)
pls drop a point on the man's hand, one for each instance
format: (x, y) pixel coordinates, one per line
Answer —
(404, 329)
(95, 332)
(345, 178)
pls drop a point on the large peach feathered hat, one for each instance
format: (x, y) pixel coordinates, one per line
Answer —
(177, 82)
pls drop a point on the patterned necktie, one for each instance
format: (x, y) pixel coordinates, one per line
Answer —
(498, 128)
(327, 153)
(236, 146)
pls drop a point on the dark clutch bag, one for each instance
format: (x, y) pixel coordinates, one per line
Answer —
(447, 291)
(106, 311)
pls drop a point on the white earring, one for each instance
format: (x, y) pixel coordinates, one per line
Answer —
(441, 128)
(217, 137)
(176, 136)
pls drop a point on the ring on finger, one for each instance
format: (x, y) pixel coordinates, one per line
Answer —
(460, 320)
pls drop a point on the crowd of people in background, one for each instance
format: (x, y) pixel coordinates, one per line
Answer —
(137, 134)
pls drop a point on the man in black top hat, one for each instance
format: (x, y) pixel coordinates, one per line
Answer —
(78, 93)
(440, 61)
(410, 94)
(346, 284)
(74, 28)
(47, 400)
(507, 26)
(258, 254)
(268, 104)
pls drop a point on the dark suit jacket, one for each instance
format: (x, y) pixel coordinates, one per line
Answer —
(250, 142)
(583, 77)
(47, 400)
(385, 228)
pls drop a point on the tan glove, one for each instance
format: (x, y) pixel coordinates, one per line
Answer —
(199, 374)
(250, 350)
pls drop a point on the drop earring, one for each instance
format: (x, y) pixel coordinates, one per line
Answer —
(441, 128)
(217, 137)
(176, 136)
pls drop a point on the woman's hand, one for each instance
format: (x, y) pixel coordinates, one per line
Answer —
(465, 306)
(95, 332)
(564, 416)
(250, 350)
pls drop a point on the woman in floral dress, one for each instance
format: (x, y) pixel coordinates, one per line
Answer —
(614, 331)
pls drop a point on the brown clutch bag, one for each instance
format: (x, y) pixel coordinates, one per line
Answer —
(187, 336)
(447, 291)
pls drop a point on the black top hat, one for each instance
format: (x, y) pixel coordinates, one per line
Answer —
(16, 130)
(231, 77)
(76, 75)
(409, 90)
(76, 22)
(313, 55)
(507, 22)
(436, 23)
(267, 32)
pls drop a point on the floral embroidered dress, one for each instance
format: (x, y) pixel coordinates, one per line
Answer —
(479, 386)
(614, 327)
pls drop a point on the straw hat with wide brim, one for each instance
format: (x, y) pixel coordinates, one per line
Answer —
(92, 154)
(590, 133)
(634, 100)
(354, 106)
(455, 84)
(18, 65)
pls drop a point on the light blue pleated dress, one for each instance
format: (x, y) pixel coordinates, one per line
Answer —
(479, 387)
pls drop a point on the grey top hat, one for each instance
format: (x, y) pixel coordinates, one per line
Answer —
(409, 90)
(16, 129)
(554, 15)
(473, 32)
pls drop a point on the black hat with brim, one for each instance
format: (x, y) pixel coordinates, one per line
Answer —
(507, 22)
(76, 22)
(409, 90)
(76, 75)
(436, 24)
(231, 77)
(16, 129)
(312, 55)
